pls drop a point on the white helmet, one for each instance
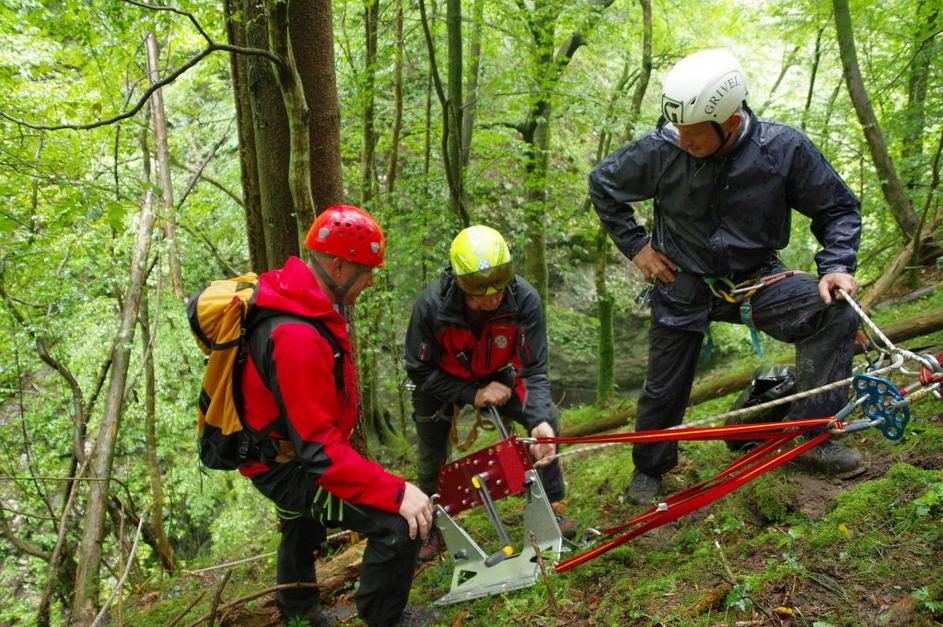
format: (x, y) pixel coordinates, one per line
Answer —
(707, 86)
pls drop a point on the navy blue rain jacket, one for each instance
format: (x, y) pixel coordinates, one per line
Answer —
(727, 215)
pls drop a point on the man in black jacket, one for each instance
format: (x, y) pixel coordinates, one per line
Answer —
(723, 184)
(477, 337)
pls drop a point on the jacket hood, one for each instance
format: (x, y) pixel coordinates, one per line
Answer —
(294, 289)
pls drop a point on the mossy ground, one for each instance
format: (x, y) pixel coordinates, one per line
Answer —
(790, 548)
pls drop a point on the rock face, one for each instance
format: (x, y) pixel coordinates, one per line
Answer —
(573, 372)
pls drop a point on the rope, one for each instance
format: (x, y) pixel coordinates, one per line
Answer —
(480, 423)
(898, 357)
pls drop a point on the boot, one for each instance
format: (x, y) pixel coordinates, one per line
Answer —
(431, 546)
(644, 488)
(833, 459)
(567, 525)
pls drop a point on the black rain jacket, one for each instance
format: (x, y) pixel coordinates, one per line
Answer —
(728, 215)
(725, 216)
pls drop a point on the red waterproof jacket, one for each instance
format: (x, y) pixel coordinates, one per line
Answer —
(320, 418)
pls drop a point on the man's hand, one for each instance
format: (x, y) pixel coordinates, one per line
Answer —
(542, 453)
(834, 280)
(416, 508)
(652, 264)
(494, 393)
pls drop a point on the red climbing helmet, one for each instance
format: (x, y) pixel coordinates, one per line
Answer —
(347, 232)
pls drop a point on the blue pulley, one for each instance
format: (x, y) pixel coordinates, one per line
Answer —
(884, 404)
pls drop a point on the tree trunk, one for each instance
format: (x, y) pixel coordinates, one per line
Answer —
(535, 131)
(90, 549)
(367, 360)
(816, 59)
(270, 128)
(296, 108)
(454, 149)
(891, 187)
(605, 380)
(371, 16)
(915, 120)
(471, 88)
(397, 105)
(311, 29)
(249, 170)
(450, 125)
(161, 545)
(606, 372)
(166, 204)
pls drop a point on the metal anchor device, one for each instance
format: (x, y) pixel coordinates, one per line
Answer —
(502, 469)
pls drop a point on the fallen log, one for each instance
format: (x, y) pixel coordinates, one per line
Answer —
(721, 385)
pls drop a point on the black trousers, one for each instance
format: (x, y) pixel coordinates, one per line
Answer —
(789, 310)
(434, 421)
(304, 513)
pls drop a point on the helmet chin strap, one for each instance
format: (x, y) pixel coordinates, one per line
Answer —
(338, 290)
(721, 136)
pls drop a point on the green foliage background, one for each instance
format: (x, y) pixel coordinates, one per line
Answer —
(69, 204)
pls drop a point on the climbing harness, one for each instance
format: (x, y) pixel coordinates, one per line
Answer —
(740, 294)
(504, 468)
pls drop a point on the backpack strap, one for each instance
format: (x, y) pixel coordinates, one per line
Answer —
(256, 342)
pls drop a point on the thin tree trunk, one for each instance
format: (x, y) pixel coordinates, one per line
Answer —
(816, 59)
(166, 204)
(367, 358)
(897, 200)
(312, 41)
(474, 71)
(371, 16)
(90, 549)
(788, 62)
(541, 20)
(454, 149)
(911, 142)
(249, 170)
(270, 128)
(165, 553)
(449, 123)
(391, 170)
(296, 108)
(605, 380)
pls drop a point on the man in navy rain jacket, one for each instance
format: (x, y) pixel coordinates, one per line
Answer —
(724, 184)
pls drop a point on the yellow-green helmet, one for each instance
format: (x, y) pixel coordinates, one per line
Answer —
(481, 261)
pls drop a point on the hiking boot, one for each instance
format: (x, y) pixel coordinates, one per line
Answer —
(418, 616)
(834, 460)
(644, 488)
(567, 525)
(431, 546)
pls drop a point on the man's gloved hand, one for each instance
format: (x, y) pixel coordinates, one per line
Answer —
(494, 393)
(416, 508)
(542, 453)
(834, 280)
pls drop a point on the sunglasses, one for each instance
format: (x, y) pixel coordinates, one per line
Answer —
(479, 283)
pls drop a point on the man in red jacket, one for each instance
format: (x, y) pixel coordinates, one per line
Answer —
(298, 391)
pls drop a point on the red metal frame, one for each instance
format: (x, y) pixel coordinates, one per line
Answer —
(504, 462)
